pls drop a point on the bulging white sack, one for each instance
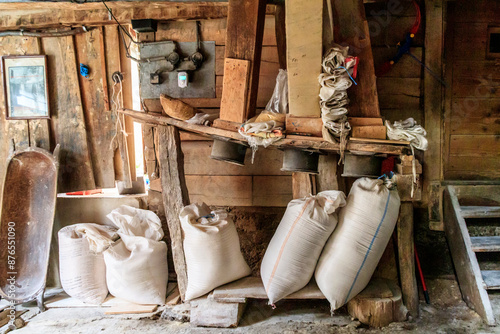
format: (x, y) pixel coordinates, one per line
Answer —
(136, 266)
(355, 247)
(81, 263)
(137, 270)
(211, 248)
(293, 252)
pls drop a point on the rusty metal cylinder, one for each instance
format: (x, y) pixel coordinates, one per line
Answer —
(300, 161)
(227, 151)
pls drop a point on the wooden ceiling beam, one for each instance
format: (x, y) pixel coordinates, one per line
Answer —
(42, 15)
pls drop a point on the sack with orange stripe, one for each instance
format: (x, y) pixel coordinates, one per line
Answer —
(293, 252)
(353, 251)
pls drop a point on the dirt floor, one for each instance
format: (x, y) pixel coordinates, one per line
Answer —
(446, 314)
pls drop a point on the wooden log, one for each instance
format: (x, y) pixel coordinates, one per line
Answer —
(353, 31)
(175, 196)
(404, 188)
(245, 29)
(406, 257)
(465, 262)
(68, 122)
(379, 304)
(304, 26)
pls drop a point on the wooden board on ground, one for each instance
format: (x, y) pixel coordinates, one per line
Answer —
(68, 122)
(4, 316)
(304, 40)
(252, 287)
(235, 88)
(131, 308)
(207, 312)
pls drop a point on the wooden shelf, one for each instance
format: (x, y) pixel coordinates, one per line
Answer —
(290, 141)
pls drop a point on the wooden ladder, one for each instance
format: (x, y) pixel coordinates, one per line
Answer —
(474, 282)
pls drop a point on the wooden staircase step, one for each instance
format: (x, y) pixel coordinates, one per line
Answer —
(491, 279)
(485, 244)
(480, 211)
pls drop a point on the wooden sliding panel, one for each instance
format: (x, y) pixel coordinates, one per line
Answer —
(351, 29)
(68, 122)
(244, 34)
(304, 38)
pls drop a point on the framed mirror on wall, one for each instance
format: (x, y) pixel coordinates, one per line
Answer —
(25, 87)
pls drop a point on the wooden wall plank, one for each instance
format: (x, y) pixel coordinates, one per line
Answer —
(478, 79)
(220, 190)
(475, 145)
(475, 116)
(269, 63)
(75, 172)
(210, 30)
(197, 161)
(304, 26)
(477, 11)
(407, 67)
(271, 190)
(99, 124)
(389, 31)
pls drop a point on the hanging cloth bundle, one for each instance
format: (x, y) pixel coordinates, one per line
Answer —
(335, 80)
(410, 131)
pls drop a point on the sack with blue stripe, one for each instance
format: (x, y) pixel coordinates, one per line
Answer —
(354, 249)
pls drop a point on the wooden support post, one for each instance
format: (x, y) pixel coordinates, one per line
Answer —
(303, 184)
(407, 258)
(433, 94)
(351, 29)
(280, 28)
(175, 196)
(304, 26)
(245, 30)
(327, 168)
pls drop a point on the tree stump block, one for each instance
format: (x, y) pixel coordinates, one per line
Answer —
(379, 304)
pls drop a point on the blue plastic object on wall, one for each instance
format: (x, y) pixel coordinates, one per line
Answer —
(84, 70)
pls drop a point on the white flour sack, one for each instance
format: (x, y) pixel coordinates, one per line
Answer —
(355, 247)
(136, 266)
(81, 264)
(137, 270)
(293, 252)
(211, 248)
